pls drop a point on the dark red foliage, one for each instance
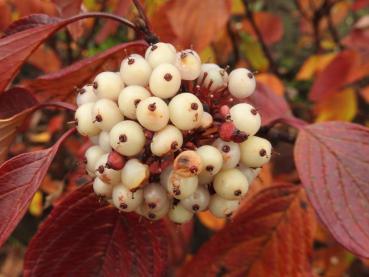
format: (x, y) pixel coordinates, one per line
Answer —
(332, 160)
(20, 177)
(85, 237)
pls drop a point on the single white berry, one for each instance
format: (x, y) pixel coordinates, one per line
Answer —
(245, 118)
(166, 140)
(178, 214)
(188, 63)
(186, 111)
(127, 138)
(198, 201)
(160, 53)
(135, 70)
(188, 163)
(255, 151)
(108, 85)
(250, 173)
(153, 113)
(212, 163)
(106, 174)
(104, 141)
(213, 79)
(106, 114)
(92, 155)
(84, 120)
(129, 98)
(145, 211)
(155, 196)
(181, 187)
(231, 184)
(206, 120)
(230, 152)
(241, 83)
(102, 189)
(165, 81)
(134, 174)
(126, 200)
(86, 95)
(221, 207)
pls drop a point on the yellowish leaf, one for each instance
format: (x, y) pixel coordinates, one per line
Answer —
(210, 221)
(313, 65)
(35, 208)
(339, 106)
(254, 54)
(237, 7)
(272, 81)
(207, 55)
(40, 137)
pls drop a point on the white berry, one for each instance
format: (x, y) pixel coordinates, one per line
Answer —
(155, 196)
(153, 113)
(255, 152)
(178, 214)
(106, 174)
(165, 81)
(189, 64)
(84, 120)
(86, 95)
(166, 140)
(106, 114)
(108, 85)
(104, 141)
(160, 53)
(129, 98)
(221, 207)
(231, 184)
(102, 189)
(245, 118)
(230, 152)
(249, 173)
(206, 120)
(181, 187)
(241, 83)
(198, 201)
(186, 111)
(126, 200)
(92, 155)
(134, 174)
(135, 70)
(127, 138)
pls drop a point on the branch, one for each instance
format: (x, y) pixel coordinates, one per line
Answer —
(143, 24)
(236, 53)
(268, 55)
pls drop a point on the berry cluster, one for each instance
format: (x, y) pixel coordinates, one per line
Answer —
(171, 136)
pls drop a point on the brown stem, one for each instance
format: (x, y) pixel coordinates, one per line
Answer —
(268, 55)
(143, 23)
(233, 37)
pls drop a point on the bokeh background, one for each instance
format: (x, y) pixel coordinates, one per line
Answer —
(300, 49)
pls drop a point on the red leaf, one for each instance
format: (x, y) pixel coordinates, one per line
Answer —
(161, 25)
(360, 4)
(29, 22)
(16, 104)
(20, 177)
(332, 161)
(270, 26)
(194, 23)
(60, 84)
(271, 235)
(84, 237)
(272, 107)
(334, 76)
(68, 8)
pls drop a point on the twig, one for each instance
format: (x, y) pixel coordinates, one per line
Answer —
(268, 55)
(301, 10)
(143, 23)
(332, 29)
(236, 53)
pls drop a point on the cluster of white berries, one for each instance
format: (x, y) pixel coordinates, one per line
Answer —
(171, 136)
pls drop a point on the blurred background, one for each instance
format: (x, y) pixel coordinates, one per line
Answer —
(298, 48)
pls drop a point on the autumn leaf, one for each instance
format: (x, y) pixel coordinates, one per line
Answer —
(86, 237)
(272, 81)
(270, 26)
(192, 23)
(313, 65)
(61, 84)
(271, 235)
(45, 59)
(20, 178)
(339, 106)
(360, 4)
(16, 104)
(332, 162)
(210, 221)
